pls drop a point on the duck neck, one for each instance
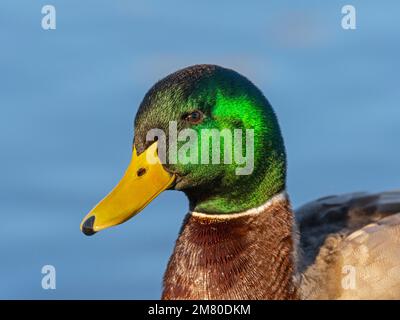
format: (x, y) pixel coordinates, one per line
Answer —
(247, 255)
(249, 191)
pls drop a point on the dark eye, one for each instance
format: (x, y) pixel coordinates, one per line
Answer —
(194, 117)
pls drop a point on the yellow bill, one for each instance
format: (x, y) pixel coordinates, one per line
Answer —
(144, 180)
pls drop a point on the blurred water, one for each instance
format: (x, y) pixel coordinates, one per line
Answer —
(68, 98)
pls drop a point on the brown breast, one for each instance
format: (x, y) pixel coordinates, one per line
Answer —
(243, 257)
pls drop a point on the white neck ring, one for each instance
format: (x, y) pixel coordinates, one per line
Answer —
(253, 211)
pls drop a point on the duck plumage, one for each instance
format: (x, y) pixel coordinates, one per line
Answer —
(241, 239)
(349, 247)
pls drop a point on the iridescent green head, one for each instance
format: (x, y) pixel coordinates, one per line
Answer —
(218, 140)
(249, 165)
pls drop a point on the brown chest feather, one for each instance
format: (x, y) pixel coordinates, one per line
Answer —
(245, 257)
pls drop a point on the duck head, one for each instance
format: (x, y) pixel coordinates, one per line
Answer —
(204, 130)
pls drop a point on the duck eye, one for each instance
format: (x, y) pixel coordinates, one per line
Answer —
(194, 117)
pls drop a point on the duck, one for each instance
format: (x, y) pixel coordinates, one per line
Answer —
(241, 239)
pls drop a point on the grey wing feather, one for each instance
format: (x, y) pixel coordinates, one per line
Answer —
(338, 230)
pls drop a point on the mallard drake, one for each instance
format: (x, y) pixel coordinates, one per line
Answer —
(241, 239)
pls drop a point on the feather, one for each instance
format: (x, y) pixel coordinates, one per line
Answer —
(350, 247)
